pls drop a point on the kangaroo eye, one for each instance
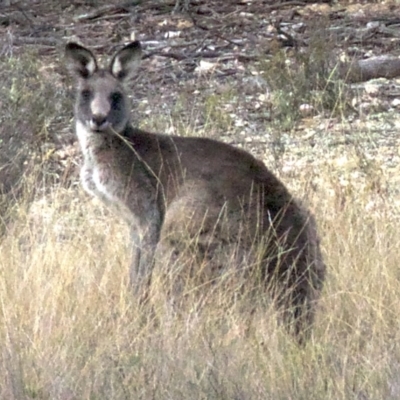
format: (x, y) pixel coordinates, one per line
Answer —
(116, 98)
(86, 94)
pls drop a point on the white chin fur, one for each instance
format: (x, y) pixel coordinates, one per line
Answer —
(83, 133)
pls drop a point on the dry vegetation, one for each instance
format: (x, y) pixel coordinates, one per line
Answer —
(71, 329)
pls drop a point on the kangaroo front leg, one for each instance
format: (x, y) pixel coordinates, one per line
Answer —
(145, 240)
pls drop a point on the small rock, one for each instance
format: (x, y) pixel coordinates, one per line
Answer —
(306, 109)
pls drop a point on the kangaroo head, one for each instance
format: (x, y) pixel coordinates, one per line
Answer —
(101, 103)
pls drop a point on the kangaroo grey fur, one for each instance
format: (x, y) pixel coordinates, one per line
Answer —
(161, 184)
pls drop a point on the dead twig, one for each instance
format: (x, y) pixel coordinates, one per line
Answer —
(38, 41)
(104, 11)
(202, 54)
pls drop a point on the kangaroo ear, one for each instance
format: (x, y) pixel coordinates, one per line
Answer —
(125, 61)
(80, 61)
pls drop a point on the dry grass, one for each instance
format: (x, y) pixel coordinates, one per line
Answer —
(71, 329)
(307, 77)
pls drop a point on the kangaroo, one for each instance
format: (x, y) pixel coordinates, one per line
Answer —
(163, 185)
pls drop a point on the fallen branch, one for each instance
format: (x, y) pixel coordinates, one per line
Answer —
(202, 54)
(372, 68)
(100, 12)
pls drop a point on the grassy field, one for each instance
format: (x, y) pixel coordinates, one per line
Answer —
(70, 328)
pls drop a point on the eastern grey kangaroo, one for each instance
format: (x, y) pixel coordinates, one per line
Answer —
(161, 184)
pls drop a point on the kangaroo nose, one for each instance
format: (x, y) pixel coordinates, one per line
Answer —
(98, 122)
